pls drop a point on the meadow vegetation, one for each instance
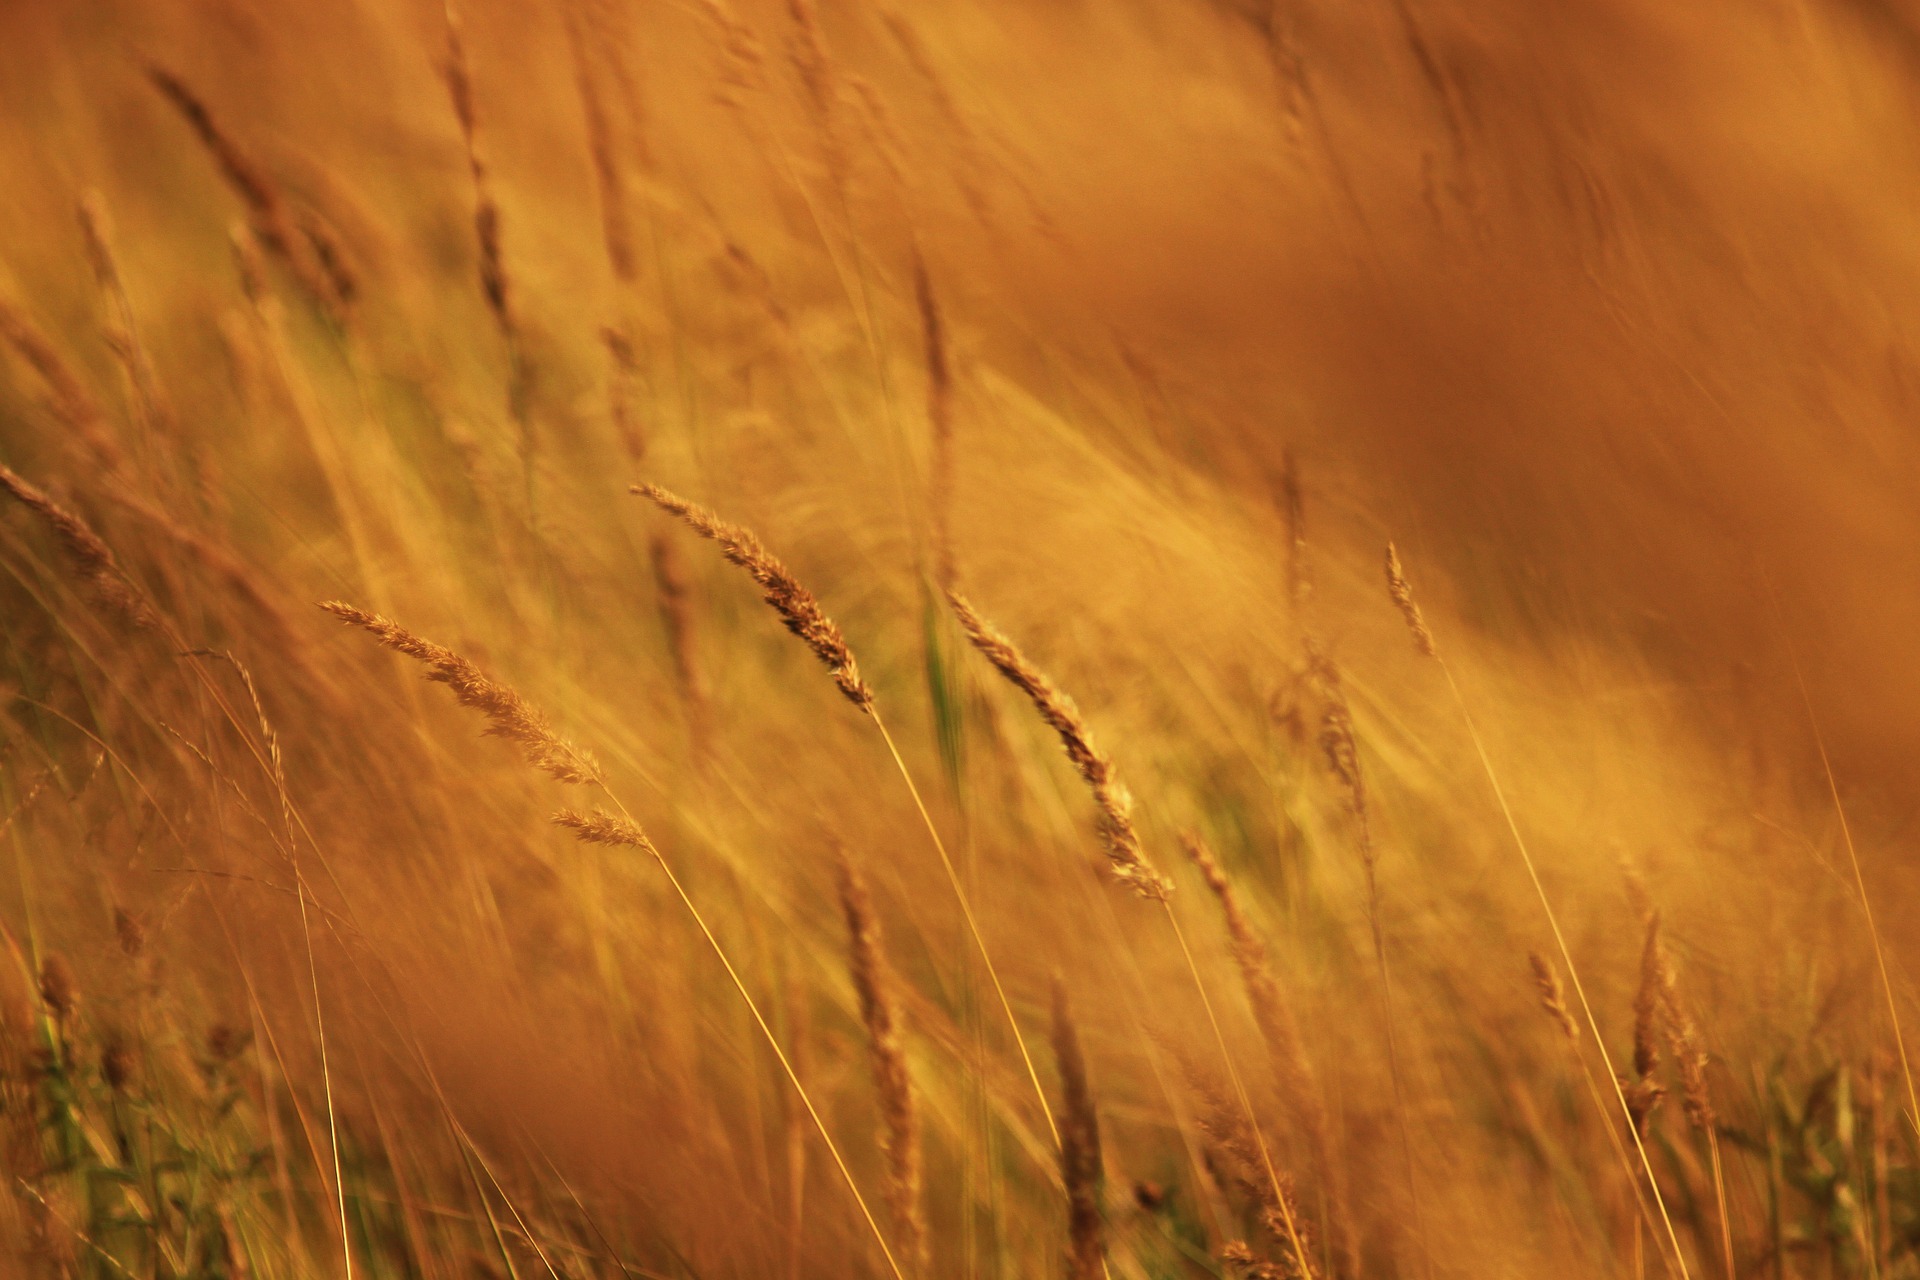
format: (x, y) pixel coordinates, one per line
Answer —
(1177, 638)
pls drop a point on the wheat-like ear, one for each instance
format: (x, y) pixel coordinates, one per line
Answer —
(601, 827)
(1681, 1034)
(494, 282)
(1645, 1091)
(1402, 592)
(873, 980)
(796, 605)
(1117, 833)
(509, 715)
(933, 332)
(320, 273)
(1080, 1162)
(72, 403)
(92, 560)
(1690, 1058)
(677, 613)
(1553, 997)
(1274, 1016)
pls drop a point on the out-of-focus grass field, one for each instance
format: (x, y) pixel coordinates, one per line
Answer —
(1145, 323)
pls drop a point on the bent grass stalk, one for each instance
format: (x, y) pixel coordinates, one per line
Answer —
(1553, 999)
(1401, 592)
(1342, 750)
(1121, 842)
(801, 612)
(94, 562)
(1853, 858)
(1690, 1056)
(512, 717)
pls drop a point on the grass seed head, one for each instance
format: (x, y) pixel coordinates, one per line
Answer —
(1402, 592)
(1111, 798)
(795, 605)
(509, 715)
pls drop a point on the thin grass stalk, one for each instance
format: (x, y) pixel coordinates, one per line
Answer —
(1690, 1056)
(71, 402)
(1853, 859)
(1080, 1162)
(1126, 860)
(1274, 1017)
(121, 326)
(511, 716)
(1342, 750)
(933, 333)
(1553, 999)
(873, 981)
(92, 560)
(803, 616)
(1281, 1198)
(1401, 592)
(267, 209)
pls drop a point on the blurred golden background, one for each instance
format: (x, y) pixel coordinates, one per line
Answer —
(1143, 327)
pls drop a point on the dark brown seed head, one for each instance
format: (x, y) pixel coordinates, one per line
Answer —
(57, 987)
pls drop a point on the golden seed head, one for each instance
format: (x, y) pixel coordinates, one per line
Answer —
(1115, 805)
(1553, 997)
(795, 605)
(1402, 592)
(508, 715)
(601, 827)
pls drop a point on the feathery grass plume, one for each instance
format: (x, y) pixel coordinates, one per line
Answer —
(1402, 592)
(1238, 1158)
(486, 213)
(1633, 1109)
(1644, 1091)
(1274, 1016)
(1690, 1059)
(1240, 1258)
(122, 331)
(807, 51)
(622, 385)
(1553, 997)
(803, 616)
(509, 715)
(676, 612)
(1080, 1161)
(933, 333)
(1342, 750)
(273, 223)
(1270, 1008)
(72, 403)
(601, 827)
(793, 602)
(1110, 796)
(616, 225)
(93, 561)
(873, 980)
(1682, 1036)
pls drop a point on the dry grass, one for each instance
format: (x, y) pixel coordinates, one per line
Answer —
(1144, 326)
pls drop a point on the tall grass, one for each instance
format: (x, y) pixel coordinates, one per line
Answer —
(1276, 949)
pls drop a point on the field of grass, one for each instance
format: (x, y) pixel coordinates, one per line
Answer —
(775, 638)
